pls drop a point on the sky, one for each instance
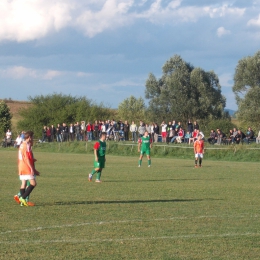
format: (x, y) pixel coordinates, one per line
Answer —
(105, 49)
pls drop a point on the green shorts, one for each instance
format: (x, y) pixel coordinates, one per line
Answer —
(100, 163)
(147, 152)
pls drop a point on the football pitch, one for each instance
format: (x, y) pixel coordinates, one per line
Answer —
(168, 211)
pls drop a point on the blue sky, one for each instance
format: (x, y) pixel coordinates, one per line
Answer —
(105, 49)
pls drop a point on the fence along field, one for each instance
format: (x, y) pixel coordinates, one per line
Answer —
(168, 211)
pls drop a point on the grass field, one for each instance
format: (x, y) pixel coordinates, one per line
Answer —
(168, 211)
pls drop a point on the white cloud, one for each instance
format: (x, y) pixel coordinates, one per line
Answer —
(254, 22)
(20, 72)
(221, 31)
(226, 80)
(33, 19)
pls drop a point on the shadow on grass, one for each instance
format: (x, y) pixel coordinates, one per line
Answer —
(65, 203)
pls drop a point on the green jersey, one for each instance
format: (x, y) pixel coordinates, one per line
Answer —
(145, 141)
(101, 148)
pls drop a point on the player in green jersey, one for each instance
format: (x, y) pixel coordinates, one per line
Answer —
(145, 143)
(100, 157)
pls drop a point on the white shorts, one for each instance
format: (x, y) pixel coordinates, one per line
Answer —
(26, 177)
(199, 155)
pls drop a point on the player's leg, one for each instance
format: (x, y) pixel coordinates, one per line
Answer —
(98, 175)
(27, 191)
(95, 170)
(140, 159)
(196, 160)
(102, 166)
(149, 160)
(200, 159)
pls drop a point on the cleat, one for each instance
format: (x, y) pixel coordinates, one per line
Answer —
(90, 177)
(139, 165)
(23, 202)
(98, 181)
(200, 166)
(196, 166)
(31, 204)
(149, 165)
(16, 198)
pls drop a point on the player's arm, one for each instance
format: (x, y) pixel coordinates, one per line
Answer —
(139, 144)
(96, 146)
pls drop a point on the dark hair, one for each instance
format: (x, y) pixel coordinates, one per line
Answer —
(28, 134)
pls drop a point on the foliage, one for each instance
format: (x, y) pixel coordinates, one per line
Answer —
(5, 117)
(247, 90)
(184, 92)
(58, 108)
(132, 109)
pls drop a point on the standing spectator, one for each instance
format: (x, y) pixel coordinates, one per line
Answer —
(77, 131)
(152, 131)
(96, 130)
(89, 131)
(71, 132)
(196, 125)
(18, 141)
(190, 126)
(169, 134)
(164, 131)
(48, 134)
(22, 136)
(257, 140)
(58, 133)
(148, 129)
(44, 134)
(133, 130)
(53, 133)
(65, 132)
(141, 129)
(82, 130)
(156, 130)
(126, 130)
(8, 138)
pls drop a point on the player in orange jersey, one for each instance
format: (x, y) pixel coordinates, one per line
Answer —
(26, 167)
(198, 150)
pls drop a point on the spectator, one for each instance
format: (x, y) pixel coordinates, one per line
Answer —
(156, 132)
(18, 141)
(133, 130)
(212, 136)
(65, 132)
(180, 136)
(126, 131)
(71, 132)
(240, 136)
(77, 131)
(141, 129)
(53, 133)
(152, 131)
(257, 140)
(58, 133)
(169, 134)
(195, 125)
(189, 127)
(164, 131)
(44, 134)
(219, 137)
(89, 130)
(230, 137)
(249, 135)
(187, 137)
(96, 130)
(193, 136)
(48, 134)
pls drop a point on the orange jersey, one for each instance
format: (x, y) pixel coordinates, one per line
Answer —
(198, 146)
(25, 159)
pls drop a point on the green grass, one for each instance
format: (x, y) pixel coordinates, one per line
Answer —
(168, 211)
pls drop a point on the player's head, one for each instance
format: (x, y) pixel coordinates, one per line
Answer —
(146, 133)
(103, 136)
(199, 136)
(28, 136)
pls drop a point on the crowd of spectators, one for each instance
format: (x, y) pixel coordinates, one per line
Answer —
(171, 132)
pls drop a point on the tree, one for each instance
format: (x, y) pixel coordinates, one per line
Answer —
(58, 108)
(5, 117)
(247, 90)
(184, 92)
(132, 109)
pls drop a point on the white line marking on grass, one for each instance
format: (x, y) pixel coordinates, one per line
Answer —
(126, 221)
(77, 241)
